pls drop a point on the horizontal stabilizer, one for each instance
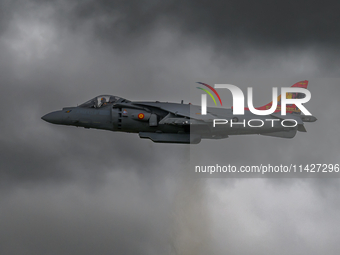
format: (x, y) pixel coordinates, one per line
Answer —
(308, 118)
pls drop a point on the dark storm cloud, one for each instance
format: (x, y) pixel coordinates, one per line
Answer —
(6, 13)
(71, 190)
(71, 218)
(40, 81)
(240, 24)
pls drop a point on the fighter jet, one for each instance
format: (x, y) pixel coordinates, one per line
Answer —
(164, 122)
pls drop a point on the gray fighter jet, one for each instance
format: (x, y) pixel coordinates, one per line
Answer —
(177, 122)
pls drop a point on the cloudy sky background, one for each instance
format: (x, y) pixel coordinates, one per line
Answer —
(67, 190)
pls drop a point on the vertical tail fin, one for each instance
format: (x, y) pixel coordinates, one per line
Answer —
(292, 108)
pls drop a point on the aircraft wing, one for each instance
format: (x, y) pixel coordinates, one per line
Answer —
(179, 111)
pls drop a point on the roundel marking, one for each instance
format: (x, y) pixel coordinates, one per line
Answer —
(141, 116)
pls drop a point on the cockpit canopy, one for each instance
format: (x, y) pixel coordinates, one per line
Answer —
(102, 100)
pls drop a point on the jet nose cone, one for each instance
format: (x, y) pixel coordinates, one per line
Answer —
(53, 117)
(44, 117)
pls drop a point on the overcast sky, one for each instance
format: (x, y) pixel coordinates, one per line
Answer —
(68, 190)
